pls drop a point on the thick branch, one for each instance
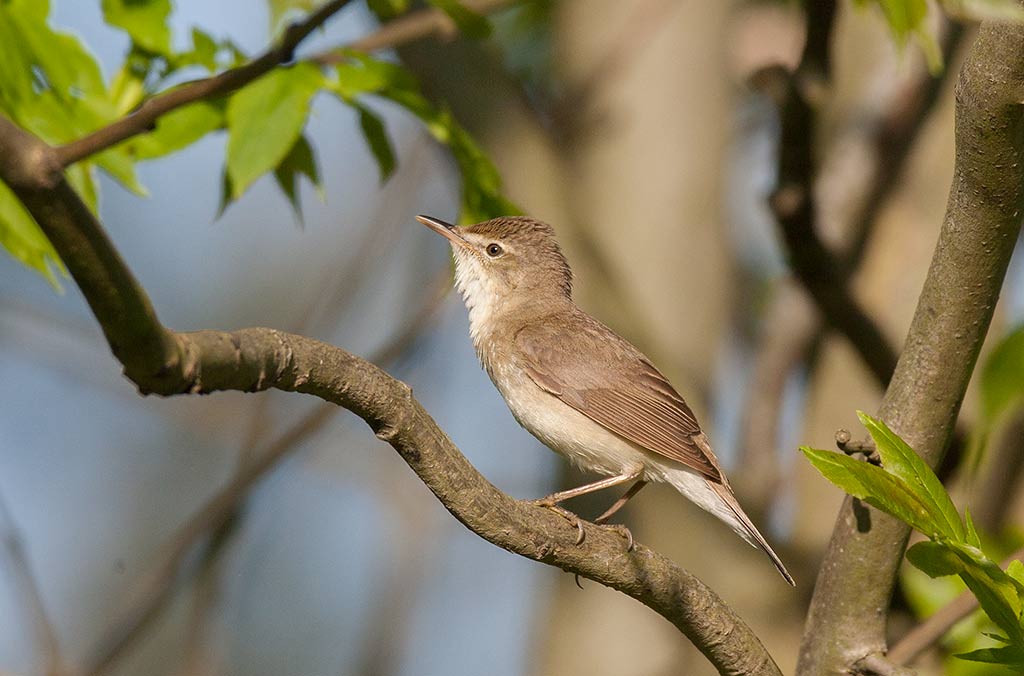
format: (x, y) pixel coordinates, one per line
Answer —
(142, 119)
(164, 362)
(848, 612)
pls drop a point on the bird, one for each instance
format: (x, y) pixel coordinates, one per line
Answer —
(573, 383)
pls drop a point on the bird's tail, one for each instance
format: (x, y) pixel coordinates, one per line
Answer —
(746, 529)
(717, 498)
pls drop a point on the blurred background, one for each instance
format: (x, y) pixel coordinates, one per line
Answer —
(268, 534)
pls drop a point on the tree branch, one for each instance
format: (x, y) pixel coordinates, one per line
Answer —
(164, 362)
(824, 275)
(847, 617)
(406, 28)
(142, 119)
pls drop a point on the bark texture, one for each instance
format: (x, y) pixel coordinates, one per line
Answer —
(848, 613)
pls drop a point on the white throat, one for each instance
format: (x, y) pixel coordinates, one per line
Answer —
(482, 298)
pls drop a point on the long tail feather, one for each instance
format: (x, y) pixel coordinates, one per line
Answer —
(749, 532)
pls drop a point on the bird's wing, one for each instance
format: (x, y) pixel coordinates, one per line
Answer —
(608, 380)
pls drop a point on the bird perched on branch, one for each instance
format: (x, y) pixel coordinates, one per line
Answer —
(575, 384)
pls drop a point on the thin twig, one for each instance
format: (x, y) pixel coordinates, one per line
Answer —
(142, 119)
(27, 586)
(824, 275)
(423, 23)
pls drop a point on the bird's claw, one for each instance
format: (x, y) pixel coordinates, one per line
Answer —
(576, 521)
(624, 532)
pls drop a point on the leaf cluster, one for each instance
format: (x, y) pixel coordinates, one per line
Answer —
(52, 85)
(904, 486)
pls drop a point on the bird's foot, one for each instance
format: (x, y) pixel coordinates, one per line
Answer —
(621, 530)
(576, 521)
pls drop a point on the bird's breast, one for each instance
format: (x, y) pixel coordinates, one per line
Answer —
(559, 426)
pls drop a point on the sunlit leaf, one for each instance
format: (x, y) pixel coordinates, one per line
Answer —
(1000, 595)
(874, 486)
(265, 120)
(205, 49)
(469, 23)
(387, 9)
(377, 139)
(300, 161)
(1011, 657)
(283, 11)
(1002, 376)
(176, 130)
(23, 239)
(145, 21)
(899, 459)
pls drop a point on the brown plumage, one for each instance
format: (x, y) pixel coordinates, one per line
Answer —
(574, 383)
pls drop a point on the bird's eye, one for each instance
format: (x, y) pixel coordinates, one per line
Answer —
(494, 250)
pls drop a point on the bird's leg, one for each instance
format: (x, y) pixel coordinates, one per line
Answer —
(603, 519)
(633, 490)
(551, 501)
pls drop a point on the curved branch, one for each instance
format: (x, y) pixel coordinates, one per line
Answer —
(165, 362)
(142, 119)
(981, 227)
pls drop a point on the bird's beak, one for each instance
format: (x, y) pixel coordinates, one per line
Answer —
(446, 230)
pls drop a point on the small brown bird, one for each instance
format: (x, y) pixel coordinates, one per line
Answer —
(572, 382)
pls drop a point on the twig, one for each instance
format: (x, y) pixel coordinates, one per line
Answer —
(847, 620)
(28, 587)
(780, 350)
(408, 28)
(823, 274)
(142, 119)
(924, 635)
(165, 362)
(865, 447)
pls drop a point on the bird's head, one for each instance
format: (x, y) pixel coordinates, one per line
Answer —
(506, 256)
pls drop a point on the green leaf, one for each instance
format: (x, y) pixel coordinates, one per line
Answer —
(204, 49)
(385, 10)
(23, 239)
(176, 130)
(363, 74)
(1002, 376)
(973, 538)
(299, 161)
(120, 166)
(1009, 656)
(1000, 595)
(873, 485)
(82, 179)
(900, 460)
(283, 11)
(481, 184)
(145, 21)
(904, 16)
(265, 120)
(469, 23)
(377, 138)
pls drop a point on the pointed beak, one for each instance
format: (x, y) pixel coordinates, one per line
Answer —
(446, 230)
